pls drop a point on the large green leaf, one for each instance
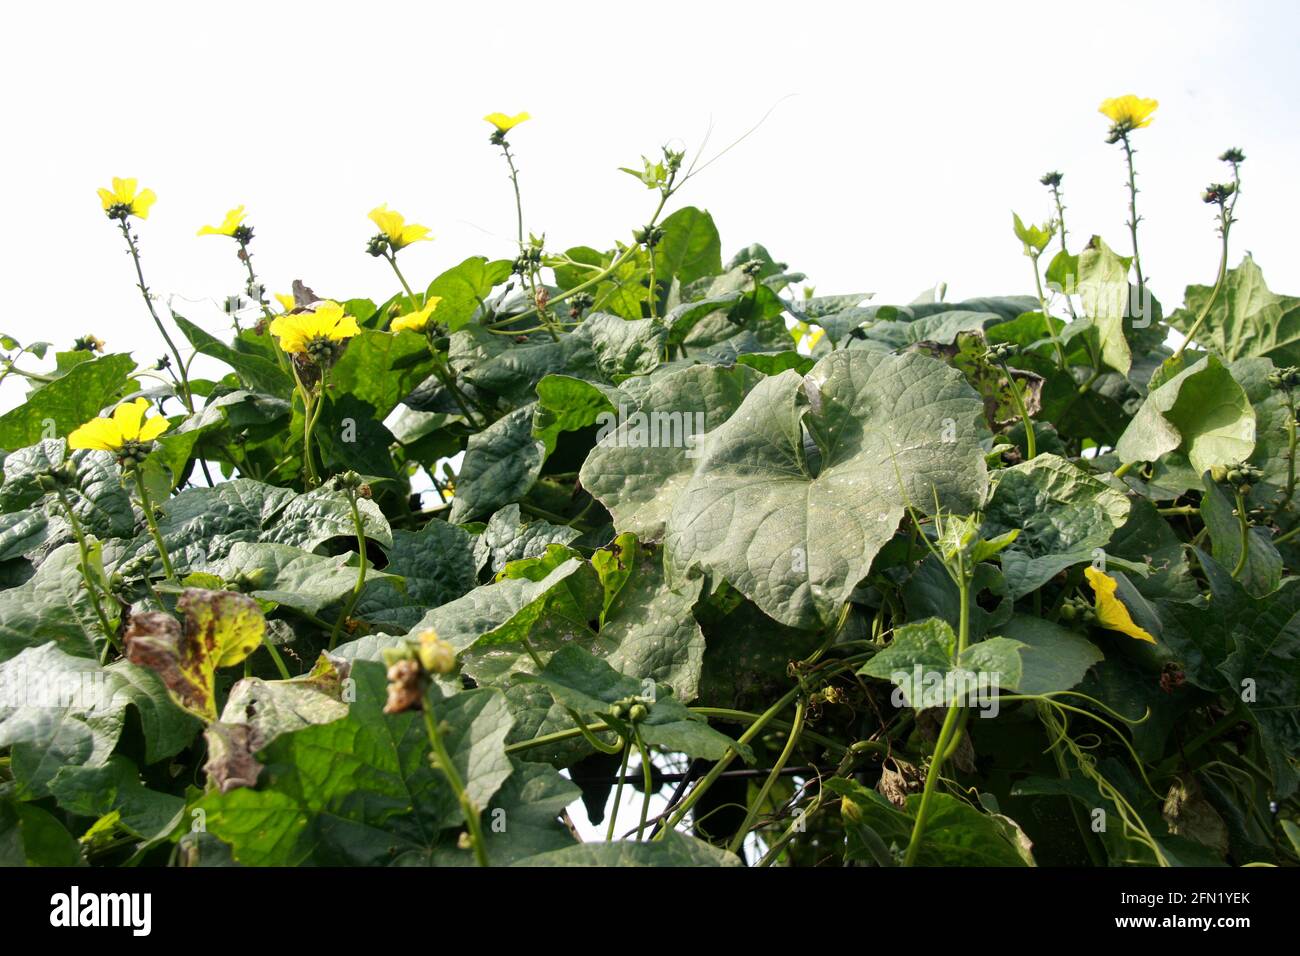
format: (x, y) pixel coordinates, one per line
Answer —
(201, 525)
(53, 605)
(956, 834)
(1261, 572)
(768, 511)
(1246, 320)
(381, 368)
(1062, 512)
(1201, 411)
(922, 661)
(643, 461)
(501, 463)
(62, 711)
(257, 372)
(464, 289)
(690, 248)
(67, 402)
(1104, 294)
(361, 791)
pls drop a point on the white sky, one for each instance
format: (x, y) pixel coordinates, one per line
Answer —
(902, 139)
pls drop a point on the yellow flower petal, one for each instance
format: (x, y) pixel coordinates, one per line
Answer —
(140, 205)
(506, 123)
(234, 218)
(1111, 612)
(1132, 112)
(124, 189)
(128, 417)
(416, 321)
(107, 198)
(153, 427)
(287, 302)
(98, 434)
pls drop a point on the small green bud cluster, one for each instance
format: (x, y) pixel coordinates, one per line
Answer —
(1284, 379)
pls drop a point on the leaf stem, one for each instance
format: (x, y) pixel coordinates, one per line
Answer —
(467, 807)
(109, 633)
(800, 709)
(146, 505)
(1133, 217)
(357, 588)
(1031, 446)
(948, 733)
(186, 396)
(1244, 521)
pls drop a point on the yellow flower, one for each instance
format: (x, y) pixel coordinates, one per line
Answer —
(1111, 612)
(234, 218)
(505, 124)
(316, 333)
(123, 200)
(416, 321)
(287, 301)
(395, 227)
(128, 426)
(1129, 111)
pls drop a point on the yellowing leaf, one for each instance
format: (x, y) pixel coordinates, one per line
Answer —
(221, 629)
(1111, 612)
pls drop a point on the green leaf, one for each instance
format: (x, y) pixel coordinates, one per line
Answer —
(623, 347)
(1104, 294)
(381, 368)
(308, 809)
(956, 834)
(922, 662)
(673, 850)
(30, 836)
(506, 538)
(647, 625)
(67, 711)
(1034, 238)
(568, 404)
(1246, 320)
(501, 464)
(690, 248)
(200, 525)
(53, 605)
(1201, 411)
(464, 289)
(766, 509)
(1063, 514)
(67, 402)
(1052, 657)
(1262, 571)
(115, 787)
(640, 466)
(257, 372)
(590, 685)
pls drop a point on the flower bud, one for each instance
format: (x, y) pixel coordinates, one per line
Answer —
(436, 655)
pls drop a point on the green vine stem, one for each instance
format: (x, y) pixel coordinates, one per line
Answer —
(580, 725)
(1031, 445)
(755, 805)
(618, 793)
(1225, 226)
(647, 782)
(146, 505)
(1133, 217)
(1290, 449)
(1243, 520)
(1047, 316)
(468, 809)
(186, 396)
(949, 733)
(91, 587)
(357, 588)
